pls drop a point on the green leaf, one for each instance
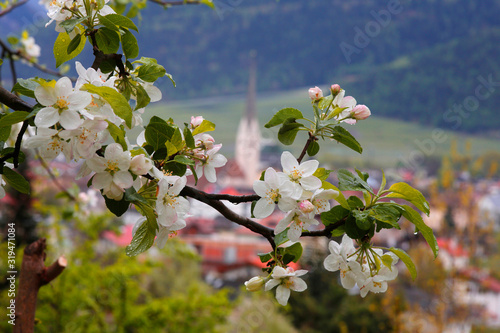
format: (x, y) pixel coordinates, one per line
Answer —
(61, 47)
(117, 207)
(17, 181)
(176, 139)
(408, 193)
(151, 72)
(143, 239)
(4, 133)
(344, 137)
(119, 104)
(70, 24)
(282, 115)
(325, 102)
(294, 251)
(352, 230)
(334, 215)
(407, 261)
(13, 40)
(158, 132)
(205, 126)
(132, 196)
(281, 238)
(414, 217)
(8, 150)
(387, 261)
(313, 148)
(340, 199)
(340, 231)
(13, 118)
(117, 134)
(107, 23)
(362, 219)
(73, 45)
(171, 79)
(25, 87)
(350, 182)
(188, 136)
(177, 169)
(265, 257)
(142, 97)
(184, 160)
(288, 131)
(208, 3)
(129, 45)
(108, 41)
(322, 173)
(355, 202)
(386, 214)
(120, 21)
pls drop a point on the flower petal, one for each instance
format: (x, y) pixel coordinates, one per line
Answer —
(282, 295)
(263, 208)
(298, 284)
(70, 119)
(46, 117)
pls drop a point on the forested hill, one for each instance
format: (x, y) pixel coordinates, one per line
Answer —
(424, 59)
(417, 59)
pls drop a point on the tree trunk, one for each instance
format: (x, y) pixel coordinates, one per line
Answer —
(34, 274)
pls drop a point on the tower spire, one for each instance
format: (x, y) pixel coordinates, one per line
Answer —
(248, 139)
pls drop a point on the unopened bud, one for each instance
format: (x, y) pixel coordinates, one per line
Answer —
(315, 93)
(335, 89)
(361, 112)
(140, 165)
(306, 206)
(255, 284)
(196, 121)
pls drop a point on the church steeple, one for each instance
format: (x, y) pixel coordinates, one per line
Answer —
(248, 138)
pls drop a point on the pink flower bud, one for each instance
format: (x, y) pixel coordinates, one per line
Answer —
(335, 89)
(306, 206)
(361, 112)
(315, 93)
(196, 121)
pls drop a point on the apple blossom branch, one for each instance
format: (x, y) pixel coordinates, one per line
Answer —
(101, 56)
(310, 140)
(12, 6)
(41, 68)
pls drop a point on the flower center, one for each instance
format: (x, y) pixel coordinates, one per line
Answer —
(274, 195)
(112, 166)
(377, 284)
(295, 175)
(287, 283)
(169, 200)
(62, 103)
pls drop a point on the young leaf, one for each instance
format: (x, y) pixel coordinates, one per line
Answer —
(70, 24)
(344, 137)
(334, 215)
(129, 45)
(73, 45)
(387, 214)
(265, 257)
(282, 237)
(350, 182)
(407, 261)
(288, 131)
(119, 104)
(282, 115)
(340, 198)
(25, 87)
(13, 118)
(151, 72)
(205, 126)
(313, 148)
(294, 252)
(405, 191)
(188, 136)
(414, 217)
(117, 134)
(120, 21)
(117, 207)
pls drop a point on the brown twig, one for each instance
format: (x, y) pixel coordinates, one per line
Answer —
(34, 274)
(310, 140)
(41, 68)
(12, 6)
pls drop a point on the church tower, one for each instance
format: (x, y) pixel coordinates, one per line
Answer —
(248, 139)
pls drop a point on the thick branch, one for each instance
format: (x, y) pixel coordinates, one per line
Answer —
(12, 6)
(34, 275)
(12, 101)
(266, 232)
(233, 198)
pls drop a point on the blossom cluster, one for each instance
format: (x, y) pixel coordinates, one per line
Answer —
(62, 10)
(297, 192)
(74, 122)
(369, 268)
(351, 111)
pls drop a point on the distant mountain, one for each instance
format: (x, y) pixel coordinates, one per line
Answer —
(406, 59)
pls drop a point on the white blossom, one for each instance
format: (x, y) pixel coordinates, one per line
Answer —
(169, 205)
(286, 280)
(271, 191)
